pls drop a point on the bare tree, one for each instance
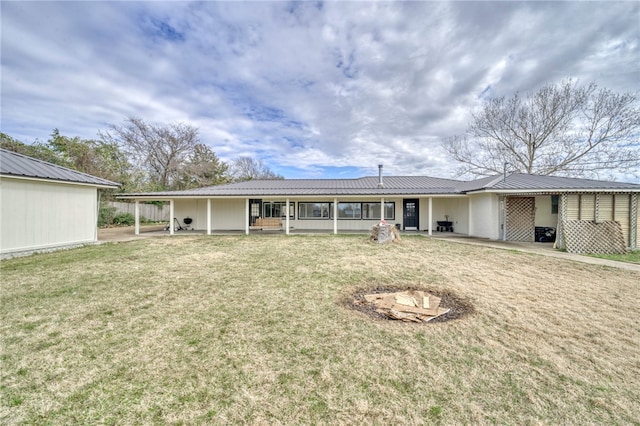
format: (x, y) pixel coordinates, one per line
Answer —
(247, 168)
(203, 168)
(562, 129)
(162, 151)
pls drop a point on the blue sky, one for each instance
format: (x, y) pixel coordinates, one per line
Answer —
(314, 89)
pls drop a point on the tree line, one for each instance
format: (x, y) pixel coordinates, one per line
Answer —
(144, 157)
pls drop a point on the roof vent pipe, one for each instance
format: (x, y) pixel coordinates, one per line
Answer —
(380, 183)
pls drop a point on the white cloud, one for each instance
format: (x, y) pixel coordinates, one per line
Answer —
(306, 85)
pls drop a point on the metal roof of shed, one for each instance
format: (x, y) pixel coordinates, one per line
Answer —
(19, 165)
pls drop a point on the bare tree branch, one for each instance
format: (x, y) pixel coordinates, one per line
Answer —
(560, 129)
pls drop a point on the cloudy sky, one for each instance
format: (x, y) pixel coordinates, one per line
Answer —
(315, 89)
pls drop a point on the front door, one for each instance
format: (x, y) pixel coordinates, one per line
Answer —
(255, 208)
(410, 214)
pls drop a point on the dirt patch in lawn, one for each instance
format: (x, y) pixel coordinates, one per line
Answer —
(458, 306)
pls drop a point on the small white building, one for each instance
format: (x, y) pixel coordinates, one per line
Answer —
(44, 206)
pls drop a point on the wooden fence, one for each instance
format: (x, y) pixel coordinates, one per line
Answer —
(151, 212)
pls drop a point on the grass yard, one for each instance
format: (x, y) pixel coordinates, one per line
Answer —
(256, 330)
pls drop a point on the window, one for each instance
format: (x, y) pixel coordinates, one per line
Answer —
(349, 211)
(372, 211)
(278, 209)
(554, 204)
(315, 210)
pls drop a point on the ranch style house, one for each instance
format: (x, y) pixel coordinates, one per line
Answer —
(580, 215)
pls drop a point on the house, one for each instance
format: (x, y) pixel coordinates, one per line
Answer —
(44, 206)
(514, 207)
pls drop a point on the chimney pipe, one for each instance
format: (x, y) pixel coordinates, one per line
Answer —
(380, 183)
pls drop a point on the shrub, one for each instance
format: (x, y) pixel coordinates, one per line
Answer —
(124, 219)
(106, 214)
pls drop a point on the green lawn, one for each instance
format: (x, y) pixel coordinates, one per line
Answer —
(630, 257)
(257, 330)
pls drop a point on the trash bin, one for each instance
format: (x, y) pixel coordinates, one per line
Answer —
(545, 234)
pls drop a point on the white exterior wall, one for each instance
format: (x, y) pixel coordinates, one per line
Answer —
(484, 219)
(544, 217)
(230, 215)
(456, 208)
(38, 215)
(226, 215)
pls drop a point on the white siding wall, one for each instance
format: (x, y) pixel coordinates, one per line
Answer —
(37, 215)
(485, 216)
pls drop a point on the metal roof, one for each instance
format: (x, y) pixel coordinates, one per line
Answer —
(523, 182)
(19, 165)
(392, 185)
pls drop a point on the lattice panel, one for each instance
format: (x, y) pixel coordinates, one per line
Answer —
(520, 218)
(586, 236)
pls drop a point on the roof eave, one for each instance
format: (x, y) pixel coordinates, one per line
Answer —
(552, 190)
(111, 185)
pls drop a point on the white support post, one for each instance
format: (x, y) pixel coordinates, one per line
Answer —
(171, 215)
(335, 215)
(208, 216)
(381, 209)
(246, 216)
(430, 227)
(504, 218)
(286, 221)
(470, 214)
(137, 218)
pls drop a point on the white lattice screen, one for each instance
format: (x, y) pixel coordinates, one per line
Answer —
(587, 236)
(520, 219)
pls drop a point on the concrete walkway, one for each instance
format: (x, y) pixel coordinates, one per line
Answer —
(545, 249)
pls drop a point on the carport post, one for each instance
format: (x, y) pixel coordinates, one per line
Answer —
(335, 215)
(208, 216)
(137, 217)
(286, 221)
(430, 216)
(246, 216)
(171, 213)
